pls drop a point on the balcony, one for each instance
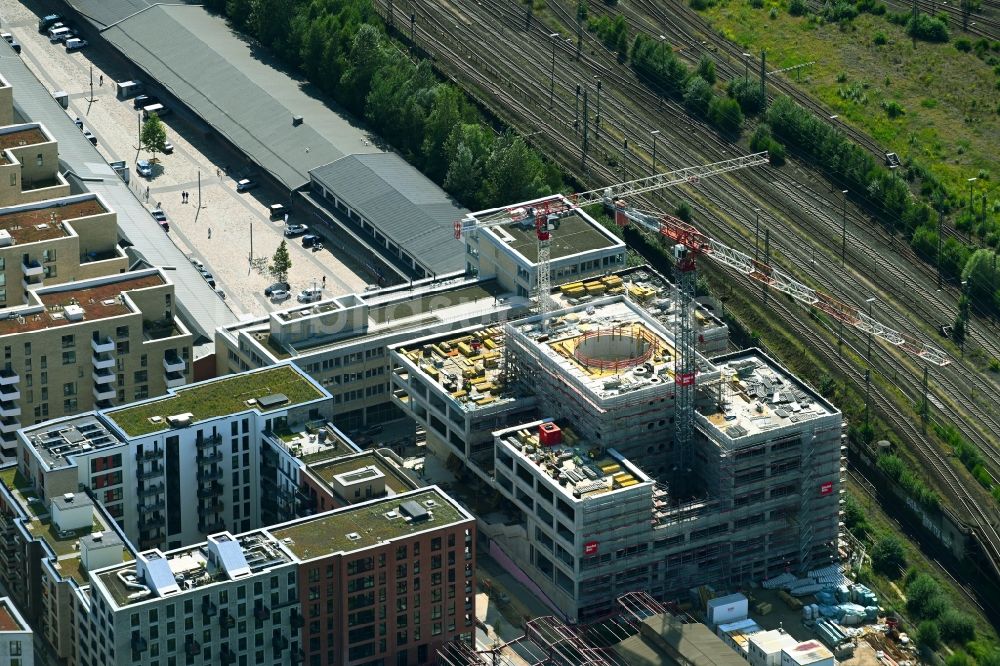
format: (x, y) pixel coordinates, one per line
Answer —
(209, 475)
(213, 490)
(152, 489)
(152, 522)
(227, 656)
(151, 473)
(139, 644)
(262, 613)
(174, 364)
(209, 458)
(9, 378)
(208, 442)
(279, 643)
(103, 376)
(192, 648)
(103, 361)
(226, 620)
(174, 379)
(9, 425)
(145, 455)
(32, 268)
(9, 393)
(9, 409)
(211, 528)
(210, 509)
(104, 392)
(208, 608)
(101, 345)
(149, 508)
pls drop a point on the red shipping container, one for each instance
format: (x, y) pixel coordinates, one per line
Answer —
(549, 434)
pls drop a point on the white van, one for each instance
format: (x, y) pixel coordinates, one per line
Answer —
(158, 109)
(59, 34)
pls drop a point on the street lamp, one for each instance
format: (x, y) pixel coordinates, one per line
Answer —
(552, 75)
(654, 133)
(843, 231)
(868, 353)
(746, 68)
(963, 309)
(971, 209)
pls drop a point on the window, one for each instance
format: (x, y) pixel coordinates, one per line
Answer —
(67, 341)
(140, 377)
(48, 255)
(69, 388)
(69, 405)
(69, 358)
(40, 159)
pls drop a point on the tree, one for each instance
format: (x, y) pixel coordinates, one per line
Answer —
(724, 113)
(366, 57)
(446, 114)
(683, 211)
(888, 557)
(697, 96)
(281, 263)
(513, 172)
(924, 598)
(154, 135)
(706, 69)
(982, 272)
(928, 635)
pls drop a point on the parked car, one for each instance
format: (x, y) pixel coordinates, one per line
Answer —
(277, 211)
(221, 294)
(75, 44)
(277, 286)
(245, 184)
(168, 148)
(142, 101)
(310, 239)
(309, 295)
(295, 230)
(197, 264)
(47, 22)
(59, 33)
(79, 123)
(161, 219)
(90, 136)
(9, 38)
(209, 278)
(280, 295)
(144, 168)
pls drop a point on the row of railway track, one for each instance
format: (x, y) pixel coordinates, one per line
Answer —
(487, 49)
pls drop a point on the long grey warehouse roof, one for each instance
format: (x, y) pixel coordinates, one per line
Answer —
(196, 57)
(402, 203)
(201, 309)
(105, 12)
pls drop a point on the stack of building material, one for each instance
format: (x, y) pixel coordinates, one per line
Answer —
(778, 582)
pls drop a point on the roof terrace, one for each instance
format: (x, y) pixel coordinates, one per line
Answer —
(395, 479)
(222, 557)
(56, 442)
(361, 526)
(269, 389)
(30, 223)
(20, 136)
(10, 619)
(76, 302)
(761, 396)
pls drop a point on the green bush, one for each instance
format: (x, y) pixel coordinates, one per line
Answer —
(963, 44)
(928, 635)
(798, 8)
(925, 599)
(747, 92)
(888, 557)
(841, 10)
(697, 96)
(725, 114)
(683, 211)
(880, 38)
(927, 28)
(956, 627)
(892, 108)
(654, 62)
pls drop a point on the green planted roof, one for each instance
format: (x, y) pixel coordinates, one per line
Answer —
(216, 398)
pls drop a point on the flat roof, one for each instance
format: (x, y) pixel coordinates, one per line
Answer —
(760, 396)
(190, 568)
(20, 137)
(217, 397)
(30, 223)
(575, 234)
(241, 94)
(395, 480)
(98, 298)
(568, 466)
(56, 441)
(401, 203)
(10, 619)
(360, 526)
(663, 638)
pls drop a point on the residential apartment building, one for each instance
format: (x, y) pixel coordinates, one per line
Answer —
(16, 637)
(86, 344)
(29, 161)
(555, 419)
(342, 587)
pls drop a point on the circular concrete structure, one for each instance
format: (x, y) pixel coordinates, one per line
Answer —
(613, 350)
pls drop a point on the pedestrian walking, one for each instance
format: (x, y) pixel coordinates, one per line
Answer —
(324, 282)
(147, 193)
(210, 232)
(102, 80)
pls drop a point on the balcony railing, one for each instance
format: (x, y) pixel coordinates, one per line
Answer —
(209, 475)
(152, 489)
(9, 392)
(9, 425)
(209, 458)
(151, 473)
(9, 377)
(210, 509)
(9, 409)
(104, 392)
(174, 364)
(32, 268)
(212, 490)
(102, 345)
(103, 361)
(174, 379)
(149, 454)
(208, 442)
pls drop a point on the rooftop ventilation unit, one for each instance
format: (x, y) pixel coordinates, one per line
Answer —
(354, 536)
(180, 420)
(73, 312)
(5, 238)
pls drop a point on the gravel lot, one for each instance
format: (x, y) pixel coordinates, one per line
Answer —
(218, 232)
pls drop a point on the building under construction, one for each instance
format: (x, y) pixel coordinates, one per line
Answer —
(573, 422)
